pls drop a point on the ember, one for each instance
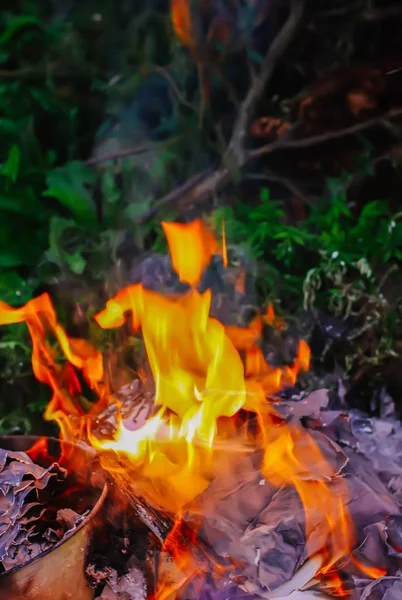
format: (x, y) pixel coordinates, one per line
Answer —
(257, 496)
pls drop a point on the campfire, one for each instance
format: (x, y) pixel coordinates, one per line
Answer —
(253, 488)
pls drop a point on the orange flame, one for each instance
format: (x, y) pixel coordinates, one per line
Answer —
(40, 317)
(201, 384)
(182, 23)
(292, 456)
(224, 247)
(191, 248)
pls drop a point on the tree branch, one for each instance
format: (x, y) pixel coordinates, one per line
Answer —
(278, 47)
(134, 151)
(190, 191)
(195, 189)
(292, 186)
(288, 143)
(199, 186)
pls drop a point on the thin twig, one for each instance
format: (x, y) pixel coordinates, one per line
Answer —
(288, 183)
(360, 176)
(165, 73)
(382, 13)
(134, 151)
(280, 44)
(385, 277)
(288, 143)
(41, 74)
(339, 11)
(194, 187)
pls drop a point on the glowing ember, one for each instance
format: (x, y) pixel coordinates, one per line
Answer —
(203, 385)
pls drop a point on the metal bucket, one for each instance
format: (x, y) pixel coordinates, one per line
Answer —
(58, 573)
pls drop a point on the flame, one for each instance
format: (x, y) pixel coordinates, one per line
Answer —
(370, 570)
(207, 377)
(292, 456)
(38, 450)
(224, 247)
(188, 387)
(180, 14)
(270, 318)
(40, 317)
(192, 246)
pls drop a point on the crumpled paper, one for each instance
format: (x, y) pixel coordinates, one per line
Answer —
(29, 524)
(130, 585)
(263, 528)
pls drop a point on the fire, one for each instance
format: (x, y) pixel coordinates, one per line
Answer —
(191, 248)
(41, 320)
(292, 456)
(182, 22)
(206, 377)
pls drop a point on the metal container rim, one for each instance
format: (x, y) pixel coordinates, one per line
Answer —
(85, 521)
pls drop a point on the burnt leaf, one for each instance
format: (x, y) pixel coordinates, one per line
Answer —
(33, 511)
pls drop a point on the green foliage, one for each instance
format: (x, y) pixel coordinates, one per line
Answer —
(71, 186)
(334, 260)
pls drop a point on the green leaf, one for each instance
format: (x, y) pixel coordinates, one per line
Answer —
(46, 100)
(59, 227)
(68, 184)
(7, 126)
(51, 157)
(136, 209)
(109, 188)
(373, 209)
(14, 289)
(4, 56)
(265, 195)
(159, 165)
(10, 259)
(76, 262)
(23, 201)
(12, 345)
(255, 56)
(15, 25)
(11, 203)
(11, 167)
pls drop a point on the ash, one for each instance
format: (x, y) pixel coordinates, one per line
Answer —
(129, 586)
(120, 561)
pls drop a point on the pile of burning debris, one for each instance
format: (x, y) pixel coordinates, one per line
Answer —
(240, 484)
(257, 540)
